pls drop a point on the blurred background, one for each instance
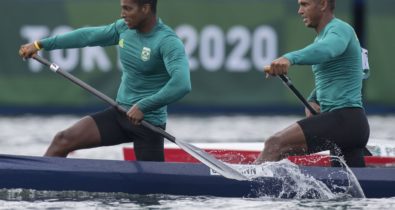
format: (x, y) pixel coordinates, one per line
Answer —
(227, 41)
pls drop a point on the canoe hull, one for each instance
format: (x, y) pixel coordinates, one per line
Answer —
(63, 174)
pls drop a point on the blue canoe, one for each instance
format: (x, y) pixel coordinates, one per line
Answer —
(65, 174)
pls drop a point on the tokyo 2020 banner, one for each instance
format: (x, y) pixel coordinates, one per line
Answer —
(227, 41)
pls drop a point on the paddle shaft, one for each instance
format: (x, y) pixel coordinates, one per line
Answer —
(289, 84)
(55, 68)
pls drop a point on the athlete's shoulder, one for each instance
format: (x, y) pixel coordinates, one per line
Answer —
(168, 34)
(340, 26)
(165, 29)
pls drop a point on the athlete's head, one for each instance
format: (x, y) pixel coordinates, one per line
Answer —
(137, 12)
(312, 11)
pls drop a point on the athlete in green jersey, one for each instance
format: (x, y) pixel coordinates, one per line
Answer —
(155, 73)
(335, 56)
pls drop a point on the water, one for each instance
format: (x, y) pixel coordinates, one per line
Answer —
(30, 135)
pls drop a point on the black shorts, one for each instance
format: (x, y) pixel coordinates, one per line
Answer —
(115, 128)
(345, 132)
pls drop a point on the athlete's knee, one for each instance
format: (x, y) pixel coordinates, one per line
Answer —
(273, 145)
(277, 145)
(60, 138)
(62, 141)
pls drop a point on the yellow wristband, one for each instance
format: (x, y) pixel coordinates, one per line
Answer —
(37, 45)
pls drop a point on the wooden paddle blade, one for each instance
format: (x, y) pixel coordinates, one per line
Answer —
(213, 163)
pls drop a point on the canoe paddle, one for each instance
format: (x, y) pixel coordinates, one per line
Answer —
(289, 84)
(213, 163)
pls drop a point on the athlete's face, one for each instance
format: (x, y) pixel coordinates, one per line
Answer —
(133, 14)
(311, 12)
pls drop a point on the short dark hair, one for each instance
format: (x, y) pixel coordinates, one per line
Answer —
(152, 3)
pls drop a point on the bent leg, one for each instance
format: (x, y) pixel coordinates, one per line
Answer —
(148, 145)
(83, 134)
(290, 141)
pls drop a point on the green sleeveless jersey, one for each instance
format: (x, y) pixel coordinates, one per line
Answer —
(155, 69)
(335, 56)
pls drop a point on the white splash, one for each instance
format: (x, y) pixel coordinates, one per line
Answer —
(295, 183)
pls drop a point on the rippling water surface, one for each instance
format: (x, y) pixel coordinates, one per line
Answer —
(30, 135)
